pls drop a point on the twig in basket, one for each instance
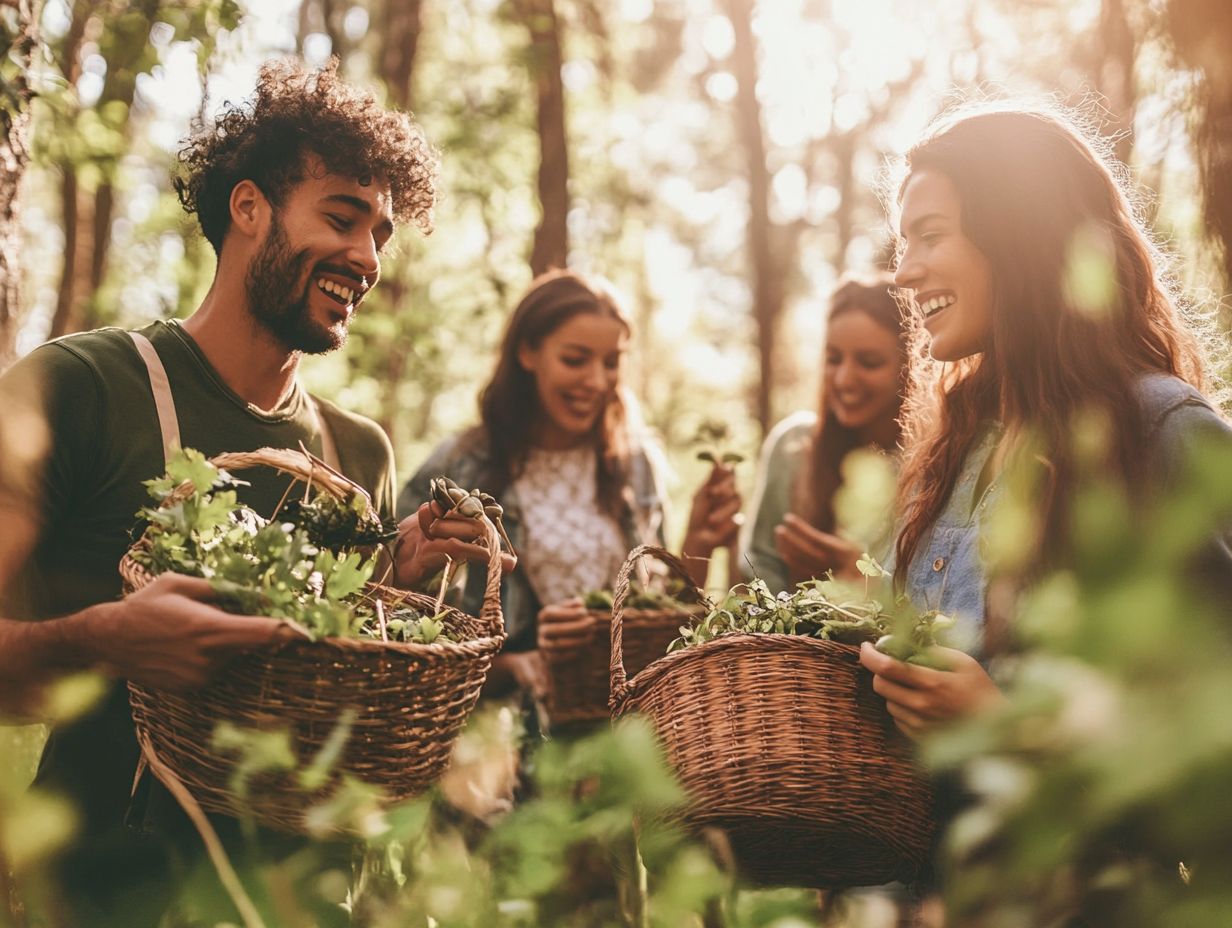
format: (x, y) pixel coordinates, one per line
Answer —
(380, 619)
(282, 502)
(446, 579)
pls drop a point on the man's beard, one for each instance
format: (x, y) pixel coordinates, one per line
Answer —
(271, 277)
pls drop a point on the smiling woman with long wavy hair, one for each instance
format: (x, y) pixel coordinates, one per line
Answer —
(1044, 305)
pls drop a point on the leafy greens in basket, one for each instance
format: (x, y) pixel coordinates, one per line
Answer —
(309, 564)
(822, 609)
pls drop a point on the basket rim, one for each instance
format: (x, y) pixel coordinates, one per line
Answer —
(763, 641)
(346, 643)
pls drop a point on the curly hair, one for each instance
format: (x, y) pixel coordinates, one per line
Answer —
(295, 111)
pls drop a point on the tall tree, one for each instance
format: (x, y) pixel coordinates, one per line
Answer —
(18, 25)
(399, 42)
(90, 140)
(766, 270)
(1201, 31)
(544, 58)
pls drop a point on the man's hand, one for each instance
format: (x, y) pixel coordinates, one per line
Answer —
(920, 698)
(809, 552)
(714, 520)
(565, 629)
(427, 539)
(168, 636)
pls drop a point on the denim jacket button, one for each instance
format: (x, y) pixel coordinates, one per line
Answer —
(938, 563)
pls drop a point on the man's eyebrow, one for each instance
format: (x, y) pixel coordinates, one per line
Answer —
(358, 202)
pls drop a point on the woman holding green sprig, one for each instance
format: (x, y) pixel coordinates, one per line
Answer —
(1003, 213)
(559, 447)
(792, 535)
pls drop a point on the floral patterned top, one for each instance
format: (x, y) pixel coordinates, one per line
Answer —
(571, 545)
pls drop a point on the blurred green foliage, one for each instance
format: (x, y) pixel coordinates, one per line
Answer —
(1099, 792)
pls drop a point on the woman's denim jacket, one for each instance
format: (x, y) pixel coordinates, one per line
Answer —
(465, 461)
(949, 571)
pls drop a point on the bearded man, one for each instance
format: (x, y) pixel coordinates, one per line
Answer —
(298, 191)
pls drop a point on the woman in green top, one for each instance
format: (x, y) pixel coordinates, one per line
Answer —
(791, 536)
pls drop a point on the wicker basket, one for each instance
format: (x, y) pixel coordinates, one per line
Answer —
(579, 687)
(411, 699)
(781, 742)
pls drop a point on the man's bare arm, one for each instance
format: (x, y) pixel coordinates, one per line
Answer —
(166, 635)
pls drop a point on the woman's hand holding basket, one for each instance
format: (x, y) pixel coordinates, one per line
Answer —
(566, 629)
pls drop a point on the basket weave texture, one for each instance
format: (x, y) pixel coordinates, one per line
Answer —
(578, 689)
(781, 742)
(410, 699)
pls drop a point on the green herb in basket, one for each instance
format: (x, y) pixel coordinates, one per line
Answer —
(314, 573)
(676, 596)
(822, 609)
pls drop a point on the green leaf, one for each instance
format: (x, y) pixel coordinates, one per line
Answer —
(869, 567)
(348, 576)
(191, 465)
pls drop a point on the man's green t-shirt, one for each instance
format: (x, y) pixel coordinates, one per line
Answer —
(104, 441)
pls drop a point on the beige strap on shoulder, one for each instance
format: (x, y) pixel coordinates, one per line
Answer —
(164, 405)
(169, 423)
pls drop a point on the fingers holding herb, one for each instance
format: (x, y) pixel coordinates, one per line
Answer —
(475, 504)
(429, 539)
(922, 697)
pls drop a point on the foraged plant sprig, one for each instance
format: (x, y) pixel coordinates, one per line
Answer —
(311, 574)
(713, 435)
(820, 608)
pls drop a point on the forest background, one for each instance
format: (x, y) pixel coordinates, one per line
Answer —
(722, 161)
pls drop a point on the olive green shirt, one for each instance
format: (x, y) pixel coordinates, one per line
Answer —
(91, 437)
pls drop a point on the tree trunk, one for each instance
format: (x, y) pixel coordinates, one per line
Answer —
(1202, 33)
(63, 322)
(403, 23)
(551, 245)
(765, 271)
(14, 158)
(399, 42)
(1114, 75)
(844, 149)
(76, 278)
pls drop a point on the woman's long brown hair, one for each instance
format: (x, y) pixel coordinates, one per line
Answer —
(509, 404)
(1038, 201)
(831, 441)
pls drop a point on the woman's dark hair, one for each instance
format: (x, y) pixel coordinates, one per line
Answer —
(509, 404)
(831, 441)
(1049, 214)
(293, 113)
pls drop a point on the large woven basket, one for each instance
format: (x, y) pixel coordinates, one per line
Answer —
(781, 742)
(579, 686)
(410, 700)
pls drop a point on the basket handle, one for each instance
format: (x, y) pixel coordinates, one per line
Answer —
(490, 612)
(617, 666)
(299, 463)
(209, 837)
